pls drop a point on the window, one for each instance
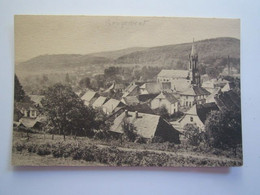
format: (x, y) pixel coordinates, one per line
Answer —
(191, 119)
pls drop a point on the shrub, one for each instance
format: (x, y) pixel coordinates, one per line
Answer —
(19, 146)
(44, 149)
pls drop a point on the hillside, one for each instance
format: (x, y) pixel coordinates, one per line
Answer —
(118, 53)
(208, 50)
(211, 52)
(61, 62)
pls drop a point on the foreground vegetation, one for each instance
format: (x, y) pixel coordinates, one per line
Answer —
(95, 153)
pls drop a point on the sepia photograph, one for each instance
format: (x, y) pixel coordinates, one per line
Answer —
(126, 91)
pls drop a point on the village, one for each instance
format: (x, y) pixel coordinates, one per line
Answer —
(176, 107)
(159, 108)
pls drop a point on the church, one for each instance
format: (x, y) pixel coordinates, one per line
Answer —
(186, 83)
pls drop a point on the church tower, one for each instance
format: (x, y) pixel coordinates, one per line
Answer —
(193, 66)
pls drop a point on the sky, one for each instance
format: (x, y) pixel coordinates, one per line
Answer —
(39, 35)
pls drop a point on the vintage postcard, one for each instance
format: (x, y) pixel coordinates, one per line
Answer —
(126, 91)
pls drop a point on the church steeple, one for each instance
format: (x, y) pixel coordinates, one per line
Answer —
(193, 66)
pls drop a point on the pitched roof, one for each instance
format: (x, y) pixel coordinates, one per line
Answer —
(99, 101)
(211, 97)
(228, 100)
(111, 105)
(142, 108)
(146, 124)
(202, 110)
(88, 95)
(130, 91)
(228, 87)
(174, 73)
(27, 122)
(146, 97)
(36, 98)
(130, 100)
(152, 88)
(195, 90)
(168, 96)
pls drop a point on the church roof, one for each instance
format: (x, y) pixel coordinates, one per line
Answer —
(174, 73)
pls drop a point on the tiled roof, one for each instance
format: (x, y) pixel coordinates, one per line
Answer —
(146, 124)
(174, 73)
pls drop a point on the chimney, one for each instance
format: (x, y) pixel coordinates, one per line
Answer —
(126, 113)
(136, 114)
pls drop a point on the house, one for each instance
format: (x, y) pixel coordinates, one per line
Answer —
(116, 87)
(229, 86)
(89, 97)
(146, 98)
(27, 109)
(130, 100)
(211, 97)
(132, 90)
(168, 100)
(99, 102)
(197, 115)
(17, 115)
(193, 94)
(37, 100)
(177, 79)
(212, 84)
(150, 88)
(142, 108)
(33, 123)
(112, 105)
(228, 101)
(146, 126)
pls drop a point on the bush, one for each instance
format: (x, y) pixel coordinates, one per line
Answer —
(19, 146)
(44, 149)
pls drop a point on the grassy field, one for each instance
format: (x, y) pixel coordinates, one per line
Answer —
(40, 151)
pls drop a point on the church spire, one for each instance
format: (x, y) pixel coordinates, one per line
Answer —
(193, 50)
(193, 66)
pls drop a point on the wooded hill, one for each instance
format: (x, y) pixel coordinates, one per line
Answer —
(212, 52)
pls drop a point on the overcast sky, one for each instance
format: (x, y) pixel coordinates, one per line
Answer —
(39, 35)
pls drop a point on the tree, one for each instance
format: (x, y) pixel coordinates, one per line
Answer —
(66, 112)
(85, 82)
(19, 94)
(193, 134)
(67, 78)
(163, 112)
(223, 129)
